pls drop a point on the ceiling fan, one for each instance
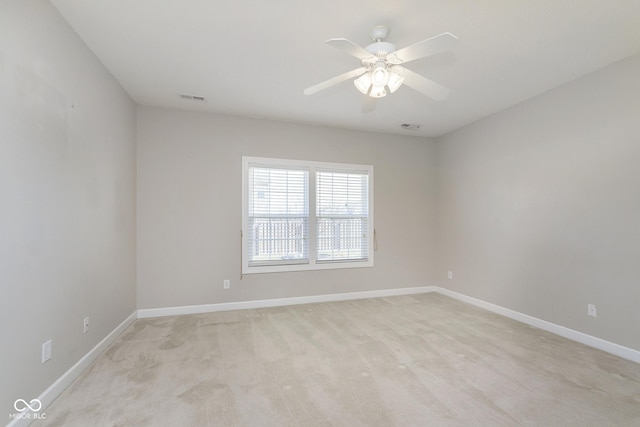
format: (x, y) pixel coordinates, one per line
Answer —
(380, 71)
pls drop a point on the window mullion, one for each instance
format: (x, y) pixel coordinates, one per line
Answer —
(313, 250)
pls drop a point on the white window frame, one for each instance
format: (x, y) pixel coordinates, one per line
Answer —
(312, 167)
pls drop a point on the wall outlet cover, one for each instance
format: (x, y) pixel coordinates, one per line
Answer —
(47, 351)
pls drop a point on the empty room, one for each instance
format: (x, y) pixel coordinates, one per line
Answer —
(337, 213)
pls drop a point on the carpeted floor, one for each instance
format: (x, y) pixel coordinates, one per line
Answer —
(423, 360)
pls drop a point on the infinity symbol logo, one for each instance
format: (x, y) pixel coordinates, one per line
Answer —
(33, 406)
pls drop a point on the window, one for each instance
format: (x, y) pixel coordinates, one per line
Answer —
(278, 216)
(342, 216)
(299, 215)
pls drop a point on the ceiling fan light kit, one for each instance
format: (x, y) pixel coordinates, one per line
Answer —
(380, 68)
(373, 82)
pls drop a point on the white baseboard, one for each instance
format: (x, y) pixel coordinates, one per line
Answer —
(54, 390)
(591, 341)
(278, 302)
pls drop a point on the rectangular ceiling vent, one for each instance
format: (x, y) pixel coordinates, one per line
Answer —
(410, 126)
(192, 97)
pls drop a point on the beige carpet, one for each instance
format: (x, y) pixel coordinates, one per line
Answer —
(424, 360)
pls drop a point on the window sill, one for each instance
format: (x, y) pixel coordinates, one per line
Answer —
(305, 267)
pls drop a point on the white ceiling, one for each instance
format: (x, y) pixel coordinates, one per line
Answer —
(255, 57)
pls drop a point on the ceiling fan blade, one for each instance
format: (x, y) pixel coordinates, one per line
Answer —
(368, 104)
(350, 47)
(337, 79)
(422, 84)
(437, 44)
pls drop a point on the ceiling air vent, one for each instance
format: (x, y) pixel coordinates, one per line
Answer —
(410, 126)
(192, 97)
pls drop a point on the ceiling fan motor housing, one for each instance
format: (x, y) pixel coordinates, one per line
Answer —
(380, 49)
(379, 33)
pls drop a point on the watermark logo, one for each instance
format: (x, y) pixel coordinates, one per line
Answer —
(28, 410)
(21, 405)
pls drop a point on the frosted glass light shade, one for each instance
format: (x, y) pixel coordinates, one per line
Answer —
(363, 83)
(379, 75)
(378, 92)
(395, 81)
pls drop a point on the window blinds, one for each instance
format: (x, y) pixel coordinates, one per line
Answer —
(304, 215)
(278, 216)
(342, 215)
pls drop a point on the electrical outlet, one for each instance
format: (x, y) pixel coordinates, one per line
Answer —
(450, 275)
(85, 325)
(592, 310)
(227, 284)
(46, 351)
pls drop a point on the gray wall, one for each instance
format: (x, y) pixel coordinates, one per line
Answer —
(189, 207)
(67, 206)
(539, 206)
